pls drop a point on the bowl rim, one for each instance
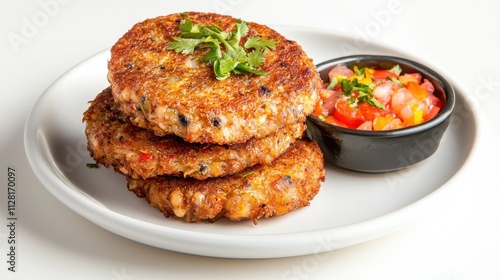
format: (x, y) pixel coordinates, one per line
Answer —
(442, 116)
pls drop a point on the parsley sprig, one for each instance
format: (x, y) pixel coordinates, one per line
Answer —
(226, 53)
(365, 93)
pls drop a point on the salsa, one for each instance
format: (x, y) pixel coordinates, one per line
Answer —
(376, 99)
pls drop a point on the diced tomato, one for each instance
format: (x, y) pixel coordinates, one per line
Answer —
(428, 86)
(318, 109)
(327, 105)
(394, 124)
(384, 74)
(334, 121)
(384, 91)
(325, 93)
(432, 113)
(351, 116)
(370, 112)
(401, 101)
(365, 126)
(340, 70)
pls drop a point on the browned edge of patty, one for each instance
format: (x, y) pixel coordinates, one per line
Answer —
(130, 150)
(288, 183)
(173, 93)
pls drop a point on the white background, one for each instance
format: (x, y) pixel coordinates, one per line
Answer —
(41, 39)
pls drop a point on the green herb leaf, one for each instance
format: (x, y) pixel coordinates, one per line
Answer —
(92, 165)
(352, 100)
(223, 68)
(396, 81)
(360, 72)
(226, 53)
(257, 43)
(256, 58)
(347, 86)
(186, 46)
(214, 54)
(246, 68)
(365, 93)
(374, 102)
(396, 69)
(333, 83)
(189, 30)
(241, 29)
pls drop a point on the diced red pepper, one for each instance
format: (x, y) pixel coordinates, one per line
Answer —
(143, 157)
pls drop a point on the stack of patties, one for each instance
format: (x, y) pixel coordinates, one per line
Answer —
(205, 126)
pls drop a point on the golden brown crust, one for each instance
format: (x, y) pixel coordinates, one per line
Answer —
(173, 93)
(288, 183)
(133, 151)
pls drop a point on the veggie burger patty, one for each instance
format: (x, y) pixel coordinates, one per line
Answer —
(205, 114)
(137, 152)
(288, 183)
(172, 92)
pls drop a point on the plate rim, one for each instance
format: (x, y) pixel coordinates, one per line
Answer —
(237, 246)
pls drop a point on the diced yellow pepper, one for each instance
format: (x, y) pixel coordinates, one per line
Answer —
(405, 79)
(380, 121)
(340, 77)
(418, 116)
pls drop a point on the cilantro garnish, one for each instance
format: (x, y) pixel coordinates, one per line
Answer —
(360, 72)
(364, 93)
(396, 69)
(332, 84)
(92, 165)
(226, 54)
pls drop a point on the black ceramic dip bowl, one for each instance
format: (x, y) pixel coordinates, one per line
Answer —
(388, 150)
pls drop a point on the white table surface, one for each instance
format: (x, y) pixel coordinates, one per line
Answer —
(460, 240)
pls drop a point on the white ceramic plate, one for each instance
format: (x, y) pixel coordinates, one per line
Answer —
(351, 207)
